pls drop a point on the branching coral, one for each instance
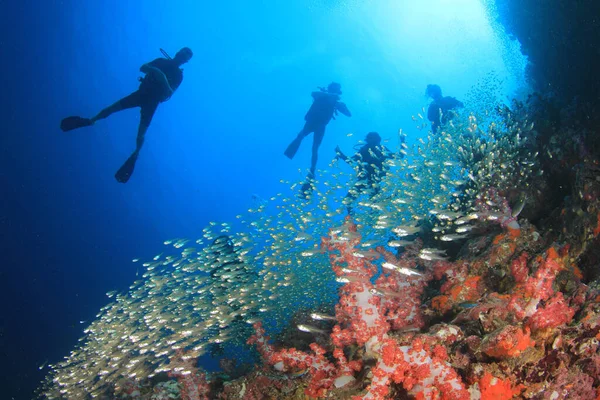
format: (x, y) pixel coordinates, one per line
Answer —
(362, 314)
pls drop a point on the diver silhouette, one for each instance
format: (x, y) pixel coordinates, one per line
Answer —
(370, 159)
(440, 106)
(326, 104)
(162, 77)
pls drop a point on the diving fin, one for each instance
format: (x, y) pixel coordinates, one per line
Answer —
(126, 170)
(291, 150)
(70, 123)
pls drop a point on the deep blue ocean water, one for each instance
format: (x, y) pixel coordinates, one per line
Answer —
(69, 230)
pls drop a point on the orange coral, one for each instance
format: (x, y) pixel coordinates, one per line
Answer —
(511, 341)
(441, 303)
(513, 232)
(577, 272)
(493, 388)
(468, 290)
(597, 229)
(498, 238)
(552, 254)
(459, 287)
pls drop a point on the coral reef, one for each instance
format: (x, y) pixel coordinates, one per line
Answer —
(497, 298)
(514, 313)
(522, 343)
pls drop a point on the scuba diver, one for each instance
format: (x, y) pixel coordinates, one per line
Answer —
(440, 106)
(326, 105)
(163, 77)
(371, 169)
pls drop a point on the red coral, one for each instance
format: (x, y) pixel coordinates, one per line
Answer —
(555, 313)
(508, 342)
(519, 268)
(422, 372)
(322, 372)
(459, 286)
(193, 383)
(493, 388)
(401, 294)
(539, 285)
(362, 314)
(530, 291)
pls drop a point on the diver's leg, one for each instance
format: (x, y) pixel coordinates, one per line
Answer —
(374, 186)
(74, 122)
(146, 114)
(317, 139)
(126, 170)
(293, 147)
(133, 100)
(309, 184)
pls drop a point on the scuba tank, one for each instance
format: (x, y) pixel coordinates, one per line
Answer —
(164, 53)
(167, 56)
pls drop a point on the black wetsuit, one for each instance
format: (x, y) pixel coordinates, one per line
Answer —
(320, 112)
(324, 107)
(372, 169)
(150, 94)
(445, 105)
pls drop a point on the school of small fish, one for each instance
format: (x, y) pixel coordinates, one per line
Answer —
(191, 301)
(269, 262)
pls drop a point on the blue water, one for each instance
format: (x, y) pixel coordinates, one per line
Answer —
(69, 230)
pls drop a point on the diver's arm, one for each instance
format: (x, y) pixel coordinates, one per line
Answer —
(452, 103)
(321, 94)
(394, 156)
(341, 107)
(318, 95)
(145, 68)
(158, 75)
(339, 154)
(152, 64)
